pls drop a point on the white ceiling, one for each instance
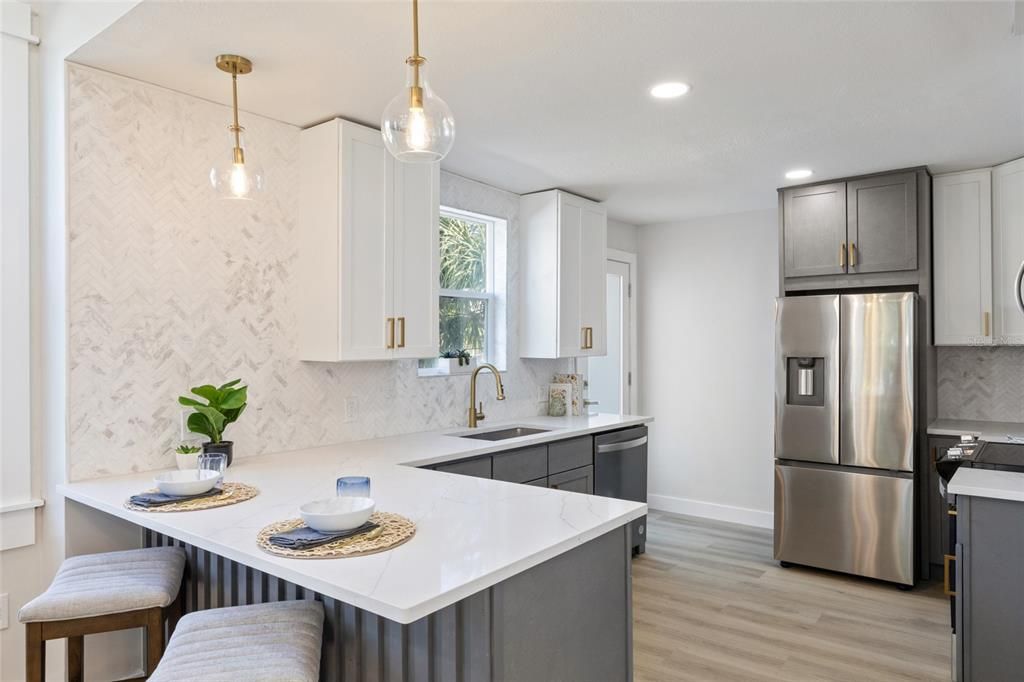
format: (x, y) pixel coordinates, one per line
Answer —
(554, 94)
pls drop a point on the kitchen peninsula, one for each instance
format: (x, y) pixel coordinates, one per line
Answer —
(501, 580)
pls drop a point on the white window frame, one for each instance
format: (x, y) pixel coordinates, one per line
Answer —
(489, 294)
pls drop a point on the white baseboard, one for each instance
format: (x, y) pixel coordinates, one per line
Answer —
(710, 510)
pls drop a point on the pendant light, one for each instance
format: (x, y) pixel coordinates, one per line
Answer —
(235, 174)
(417, 125)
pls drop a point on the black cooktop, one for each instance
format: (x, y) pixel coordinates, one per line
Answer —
(983, 455)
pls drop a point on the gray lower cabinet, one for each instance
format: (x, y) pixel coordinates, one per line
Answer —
(573, 453)
(990, 601)
(575, 480)
(540, 482)
(520, 466)
(814, 230)
(479, 467)
(881, 225)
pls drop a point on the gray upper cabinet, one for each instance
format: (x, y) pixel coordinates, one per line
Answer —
(814, 230)
(882, 223)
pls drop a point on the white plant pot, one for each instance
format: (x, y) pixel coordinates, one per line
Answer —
(187, 461)
(451, 366)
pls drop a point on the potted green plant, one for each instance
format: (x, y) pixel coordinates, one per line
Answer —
(187, 455)
(456, 362)
(224, 405)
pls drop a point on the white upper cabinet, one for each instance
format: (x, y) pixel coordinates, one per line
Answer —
(1008, 250)
(562, 276)
(962, 220)
(367, 277)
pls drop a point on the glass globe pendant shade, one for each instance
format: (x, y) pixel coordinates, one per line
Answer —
(417, 125)
(236, 174)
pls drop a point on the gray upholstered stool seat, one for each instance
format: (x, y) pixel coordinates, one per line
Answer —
(113, 582)
(278, 642)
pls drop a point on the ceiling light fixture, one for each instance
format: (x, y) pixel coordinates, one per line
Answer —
(799, 174)
(417, 125)
(236, 176)
(669, 90)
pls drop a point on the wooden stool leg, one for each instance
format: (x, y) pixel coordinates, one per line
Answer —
(175, 611)
(35, 652)
(154, 638)
(76, 658)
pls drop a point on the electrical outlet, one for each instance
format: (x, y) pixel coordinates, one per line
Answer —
(351, 409)
(5, 609)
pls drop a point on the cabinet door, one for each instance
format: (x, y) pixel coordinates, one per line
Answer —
(814, 230)
(570, 235)
(416, 260)
(962, 255)
(477, 468)
(881, 226)
(366, 210)
(577, 480)
(593, 288)
(1008, 249)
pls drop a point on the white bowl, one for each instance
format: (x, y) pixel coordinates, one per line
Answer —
(337, 513)
(187, 482)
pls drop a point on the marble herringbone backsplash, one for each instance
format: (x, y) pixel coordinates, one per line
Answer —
(170, 287)
(981, 383)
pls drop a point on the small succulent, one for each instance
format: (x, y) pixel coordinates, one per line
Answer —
(462, 355)
(187, 449)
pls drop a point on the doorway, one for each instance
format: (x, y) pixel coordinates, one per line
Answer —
(611, 378)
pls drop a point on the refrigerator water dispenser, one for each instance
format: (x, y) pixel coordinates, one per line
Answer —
(806, 381)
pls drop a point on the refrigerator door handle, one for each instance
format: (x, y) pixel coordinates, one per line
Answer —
(1018, 295)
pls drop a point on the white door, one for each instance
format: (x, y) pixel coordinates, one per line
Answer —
(1008, 250)
(610, 376)
(416, 260)
(963, 258)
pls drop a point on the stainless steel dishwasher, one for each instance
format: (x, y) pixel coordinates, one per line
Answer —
(620, 471)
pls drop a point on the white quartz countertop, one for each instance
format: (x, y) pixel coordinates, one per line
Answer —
(999, 485)
(996, 432)
(471, 533)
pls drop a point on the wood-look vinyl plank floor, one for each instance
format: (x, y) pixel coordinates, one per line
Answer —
(710, 604)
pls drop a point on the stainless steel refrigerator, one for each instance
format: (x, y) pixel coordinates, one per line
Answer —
(844, 433)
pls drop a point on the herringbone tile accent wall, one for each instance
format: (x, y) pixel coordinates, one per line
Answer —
(981, 383)
(170, 287)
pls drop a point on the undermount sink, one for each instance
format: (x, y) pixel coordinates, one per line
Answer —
(504, 434)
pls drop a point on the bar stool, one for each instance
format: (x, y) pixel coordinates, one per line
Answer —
(275, 642)
(105, 592)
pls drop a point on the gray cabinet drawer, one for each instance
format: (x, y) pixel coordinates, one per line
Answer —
(520, 466)
(540, 482)
(569, 454)
(576, 480)
(479, 467)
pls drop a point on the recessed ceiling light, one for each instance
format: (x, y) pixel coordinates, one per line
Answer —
(669, 90)
(799, 174)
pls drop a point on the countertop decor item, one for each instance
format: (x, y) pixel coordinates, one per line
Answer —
(224, 405)
(305, 537)
(236, 175)
(576, 382)
(335, 514)
(189, 482)
(417, 125)
(559, 399)
(352, 486)
(186, 455)
(230, 493)
(394, 530)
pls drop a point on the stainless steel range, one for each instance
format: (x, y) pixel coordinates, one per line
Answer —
(845, 418)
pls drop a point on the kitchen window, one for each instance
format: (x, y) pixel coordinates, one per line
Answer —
(472, 298)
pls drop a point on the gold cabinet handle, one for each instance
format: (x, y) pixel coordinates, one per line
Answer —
(583, 341)
(842, 255)
(401, 332)
(391, 332)
(946, 560)
(590, 337)
(853, 254)
(986, 320)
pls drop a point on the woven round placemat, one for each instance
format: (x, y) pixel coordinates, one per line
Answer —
(231, 493)
(394, 530)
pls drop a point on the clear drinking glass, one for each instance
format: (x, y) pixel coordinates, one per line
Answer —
(214, 461)
(353, 486)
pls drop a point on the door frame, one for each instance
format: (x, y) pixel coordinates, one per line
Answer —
(629, 259)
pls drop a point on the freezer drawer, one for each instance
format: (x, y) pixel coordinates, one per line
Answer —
(847, 521)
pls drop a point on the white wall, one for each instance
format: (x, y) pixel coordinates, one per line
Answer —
(622, 236)
(706, 315)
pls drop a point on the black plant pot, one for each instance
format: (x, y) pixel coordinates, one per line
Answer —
(225, 447)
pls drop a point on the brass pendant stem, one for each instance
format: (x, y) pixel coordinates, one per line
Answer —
(235, 128)
(416, 30)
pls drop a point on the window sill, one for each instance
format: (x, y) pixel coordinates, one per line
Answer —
(424, 372)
